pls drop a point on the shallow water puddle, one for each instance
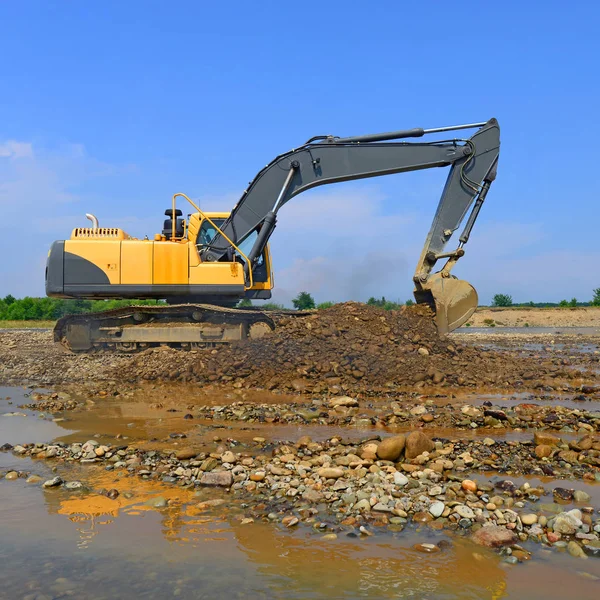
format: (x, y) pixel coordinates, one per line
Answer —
(154, 541)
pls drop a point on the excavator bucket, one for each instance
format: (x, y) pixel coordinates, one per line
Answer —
(455, 300)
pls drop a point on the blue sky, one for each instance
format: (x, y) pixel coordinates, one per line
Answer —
(112, 107)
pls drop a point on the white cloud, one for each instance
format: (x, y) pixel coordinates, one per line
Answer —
(14, 149)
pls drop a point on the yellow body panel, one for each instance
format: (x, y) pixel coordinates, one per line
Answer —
(129, 261)
(170, 263)
(137, 262)
(104, 254)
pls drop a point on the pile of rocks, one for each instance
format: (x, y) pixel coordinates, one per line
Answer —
(351, 347)
(389, 483)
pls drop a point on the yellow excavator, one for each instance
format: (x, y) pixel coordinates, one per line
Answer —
(203, 265)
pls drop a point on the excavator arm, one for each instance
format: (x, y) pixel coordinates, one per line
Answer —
(327, 159)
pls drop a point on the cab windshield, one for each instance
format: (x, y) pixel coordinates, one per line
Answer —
(207, 232)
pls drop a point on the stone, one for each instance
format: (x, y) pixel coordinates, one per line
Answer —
(228, 457)
(217, 478)
(290, 521)
(494, 536)
(311, 495)
(543, 451)
(11, 475)
(426, 548)
(417, 443)
(391, 448)
(369, 451)
(186, 454)
(545, 439)
(581, 496)
(489, 441)
(464, 511)
(574, 549)
(73, 485)
(529, 519)
(469, 485)
(33, 479)
(569, 456)
(113, 494)
(208, 464)
(330, 472)
(423, 351)
(158, 502)
(436, 509)
(471, 411)
(567, 523)
(343, 401)
(210, 503)
(257, 476)
(54, 482)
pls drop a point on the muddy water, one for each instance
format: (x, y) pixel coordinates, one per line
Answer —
(55, 543)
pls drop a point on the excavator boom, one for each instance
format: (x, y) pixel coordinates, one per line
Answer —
(326, 159)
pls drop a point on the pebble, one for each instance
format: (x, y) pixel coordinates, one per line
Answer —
(11, 475)
(529, 519)
(426, 548)
(436, 509)
(54, 482)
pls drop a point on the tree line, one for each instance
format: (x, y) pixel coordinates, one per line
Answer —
(50, 309)
(503, 300)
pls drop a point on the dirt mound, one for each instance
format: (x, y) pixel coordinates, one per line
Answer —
(349, 347)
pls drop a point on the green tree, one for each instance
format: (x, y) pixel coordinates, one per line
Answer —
(409, 302)
(573, 302)
(303, 301)
(8, 300)
(596, 297)
(563, 303)
(502, 300)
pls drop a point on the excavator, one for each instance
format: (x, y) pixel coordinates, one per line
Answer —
(203, 265)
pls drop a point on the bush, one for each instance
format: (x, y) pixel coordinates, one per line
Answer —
(245, 302)
(49, 309)
(383, 303)
(323, 305)
(596, 297)
(502, 300)
(563, 303)
(303, 301)
(271, 306)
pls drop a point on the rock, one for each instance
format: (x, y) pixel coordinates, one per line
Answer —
(11, 475)
(494, 536)
(418, 410)
(567, 523)
(343, 401)
(54, 482)
(257, 476)
(208, 464)
(471, 411)
(426, 548)
(113, 494)
(569, 456)
(574, 549)
(290, 521)
(464, 511)
(186, 454)
(545, 439)
(210, 503)
(311, 495)
(489, 441)
(217, 478)
(529, 519)
(563, 494)
(400, 479)
(543, 451)
(391, 448)
(436, 509)
(369, 451)
(33, 479)
(423, 351)
(330, 472)
(417, 443)
(469, 485)
(581, 496)
(228, 457)
(73, 485)
(158, 502)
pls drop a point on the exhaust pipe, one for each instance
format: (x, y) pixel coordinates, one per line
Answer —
(93, 219)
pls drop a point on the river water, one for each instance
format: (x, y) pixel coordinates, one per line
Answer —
(56, 543)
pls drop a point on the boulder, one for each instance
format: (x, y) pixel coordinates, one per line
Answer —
(391, 448)
(545, 438)
(417, 443)
(494, 536)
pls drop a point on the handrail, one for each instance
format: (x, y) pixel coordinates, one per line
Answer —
(204, 216)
